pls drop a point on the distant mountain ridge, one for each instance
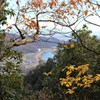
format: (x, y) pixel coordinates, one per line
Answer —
(40, 42)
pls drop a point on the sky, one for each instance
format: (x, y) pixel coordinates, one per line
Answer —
(95, 29)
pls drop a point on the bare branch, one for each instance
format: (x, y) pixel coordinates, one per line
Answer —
(91, 23)
(21, 35)
(59, 23)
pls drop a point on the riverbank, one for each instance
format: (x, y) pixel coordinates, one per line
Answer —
(32, 60)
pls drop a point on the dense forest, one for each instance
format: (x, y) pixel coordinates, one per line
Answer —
(74, 71)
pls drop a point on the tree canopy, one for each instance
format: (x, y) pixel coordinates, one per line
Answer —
(40, 17)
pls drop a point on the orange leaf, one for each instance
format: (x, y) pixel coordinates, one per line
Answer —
(53, 3)
(85, 2)
(93, 8)
(37, 2)
(50, 4)
(40, 2)
(73, 2)
(60, 11)
(34, 2)
(79, 1)
(34, 23)
(63, 4)
(44, 5)
(36, 27)
(26, 19)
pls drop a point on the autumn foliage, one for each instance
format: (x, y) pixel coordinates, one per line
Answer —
(76, 77)
(50, 17)
(39, 16)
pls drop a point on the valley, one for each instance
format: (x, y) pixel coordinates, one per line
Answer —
(31, 60)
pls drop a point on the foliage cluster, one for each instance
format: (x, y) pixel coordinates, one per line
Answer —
(82, 82)
(11, 81)
(76, 77)
(4, 11)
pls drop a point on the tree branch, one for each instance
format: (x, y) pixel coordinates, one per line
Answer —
(1, 2)
(91, 23)
(59, 23)
(21, 35)
(25, 41)
(83, 44)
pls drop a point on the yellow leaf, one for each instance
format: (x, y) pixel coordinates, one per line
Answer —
(90, 76)
(77, 79)
(45, 74)
(67, 85)
(88, 85)
(91, 15)
(79, 84)
(68, 72)
(70, 91)
(65, 46)
(64, 69)
(71, 44)
(71, 68)
(80, 73)
(49, 73)
(97, 77)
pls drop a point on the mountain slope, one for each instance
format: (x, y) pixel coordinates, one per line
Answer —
(40, 42)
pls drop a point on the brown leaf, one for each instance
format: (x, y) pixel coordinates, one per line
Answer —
(17, 2)
(44, 26)
(86, 12)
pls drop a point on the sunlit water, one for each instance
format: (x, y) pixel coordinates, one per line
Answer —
(47, 55)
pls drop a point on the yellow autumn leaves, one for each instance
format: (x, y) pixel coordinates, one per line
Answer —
(70, 45)
(47, 73)
(76, 77)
